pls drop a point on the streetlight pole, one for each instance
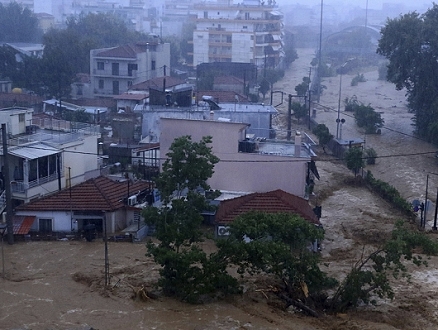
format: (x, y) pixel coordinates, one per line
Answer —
(338, 120)
(318, 81)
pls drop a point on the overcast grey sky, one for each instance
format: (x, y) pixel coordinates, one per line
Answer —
(418, 5)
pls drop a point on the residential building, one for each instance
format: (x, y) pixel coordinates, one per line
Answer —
(96, 114)
(276, 201)
(259, 116)
(250, 165)
(115, 70)
(45, 21)
(131, 99)
(247, 32)
(99, 201)
(46, 154)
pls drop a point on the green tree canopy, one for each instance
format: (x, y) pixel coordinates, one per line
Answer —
(300, 110)
(367, 118)
(410, 43)
(276, 244)
(303, 88)
(187, 272)
(354, 159)
(370, 277)
(18, 24)
(323, 134)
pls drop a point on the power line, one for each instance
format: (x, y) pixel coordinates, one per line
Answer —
(262, 161)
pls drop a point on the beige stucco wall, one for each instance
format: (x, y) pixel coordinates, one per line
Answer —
(237, 171)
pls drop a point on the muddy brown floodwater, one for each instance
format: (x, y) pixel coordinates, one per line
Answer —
(59, 285)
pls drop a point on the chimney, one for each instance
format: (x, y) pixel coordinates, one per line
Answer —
(297, 144)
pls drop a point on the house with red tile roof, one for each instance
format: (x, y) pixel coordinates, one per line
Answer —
(276, 201)
(97, 201)
(114, 70)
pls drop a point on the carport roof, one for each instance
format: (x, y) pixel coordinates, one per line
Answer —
(33, 151)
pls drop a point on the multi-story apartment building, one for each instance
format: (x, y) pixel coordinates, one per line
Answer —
(114, 70)
(249, 32)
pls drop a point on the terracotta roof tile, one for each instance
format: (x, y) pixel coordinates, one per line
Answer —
(157, 83)
(271, 202)
(98, 194)
(125, 51)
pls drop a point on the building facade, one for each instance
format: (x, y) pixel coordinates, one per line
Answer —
(246, 166)
(248, 32)
(115, 70)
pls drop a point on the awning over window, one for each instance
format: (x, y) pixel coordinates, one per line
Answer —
(34, 151)
(276, 37)
(275, 47)
(22, 224)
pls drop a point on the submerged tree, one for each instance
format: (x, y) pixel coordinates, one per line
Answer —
(370, 277)
(323, 134)
(278, 245)
(354, 159)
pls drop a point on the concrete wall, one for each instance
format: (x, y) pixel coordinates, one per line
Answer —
(237, 171)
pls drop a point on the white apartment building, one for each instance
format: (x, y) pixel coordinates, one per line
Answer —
(114, 70)
(248, 32)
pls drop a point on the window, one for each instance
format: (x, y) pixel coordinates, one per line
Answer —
(205, 14)
(245, 26)
(132, 67)
(33, 170)
(21, 117)
(45, 225)
(116, 87)
(229, 39)
(153, 64)
(100, 66)
(129, 83)
(52, 164)
(246, 16)
(43, 167)
(101, 84)
(115, 69)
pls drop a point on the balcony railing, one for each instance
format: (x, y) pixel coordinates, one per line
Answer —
(22, 187)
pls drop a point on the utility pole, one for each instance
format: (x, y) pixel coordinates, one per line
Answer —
(9, 224)
(289, 117)
(318, 81)
(310, 101)
(105, 237)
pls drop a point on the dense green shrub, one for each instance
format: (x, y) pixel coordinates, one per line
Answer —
(357, 79)
(389, 193)
(371, 156)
